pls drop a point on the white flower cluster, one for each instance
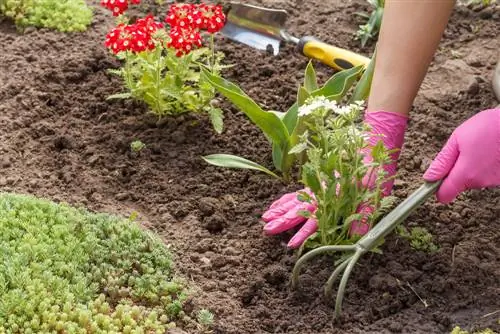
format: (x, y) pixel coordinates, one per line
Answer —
(313, 104)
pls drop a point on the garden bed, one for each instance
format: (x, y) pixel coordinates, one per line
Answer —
(60, 139)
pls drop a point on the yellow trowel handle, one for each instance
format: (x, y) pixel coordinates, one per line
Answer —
(339, 59)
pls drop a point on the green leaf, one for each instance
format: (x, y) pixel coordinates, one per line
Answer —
(291, 116)
(217, 118)
(340, 83)
(277, 154)
(311, 180)
(268, 122)
(119, 96)
(233, 161)
(302, 96)
(310, 80)
(362, 90)
(299, 148)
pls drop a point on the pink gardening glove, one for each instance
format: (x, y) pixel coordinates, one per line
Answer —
(284, 213)
(471, 157)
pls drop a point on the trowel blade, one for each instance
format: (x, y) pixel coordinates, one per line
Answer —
(252, 39)
(255, 26)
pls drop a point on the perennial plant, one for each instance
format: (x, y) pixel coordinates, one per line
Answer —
(162, 63)
(62, 15)
(66, 270)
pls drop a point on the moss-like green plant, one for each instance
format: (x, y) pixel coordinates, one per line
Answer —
(67, 270)
(137, 146)
(62, 15)
(420, 239)
(458, 330)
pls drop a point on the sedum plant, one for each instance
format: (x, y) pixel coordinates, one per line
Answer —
(334, 171)
(162, 65)
(66, 270)
(62, 15)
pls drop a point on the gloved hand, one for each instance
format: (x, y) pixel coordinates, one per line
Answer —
(284, 213)
(471, 157)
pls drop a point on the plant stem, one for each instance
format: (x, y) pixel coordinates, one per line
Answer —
(128, 77)
(158, 80)
(212, 49)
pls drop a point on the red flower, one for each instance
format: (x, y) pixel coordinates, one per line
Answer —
(182, 15)
(117, 6)
(213, 18)
(202, 16)
(135, 37)
(184, 40)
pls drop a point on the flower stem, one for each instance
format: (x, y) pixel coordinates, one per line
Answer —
(158, 80)
(212, 57)
(128, 77)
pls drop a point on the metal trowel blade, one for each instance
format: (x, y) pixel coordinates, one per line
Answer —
(257, 27)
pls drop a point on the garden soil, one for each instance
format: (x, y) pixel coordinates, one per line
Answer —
(62, 140)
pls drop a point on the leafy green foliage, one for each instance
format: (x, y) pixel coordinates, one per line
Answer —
(334, 143)
(137, 146)
(171, 85)
(420, 239)
(282, 129)
(70, 271)
(458, 330)
(205, 318)
(372, 27)
(62, 15)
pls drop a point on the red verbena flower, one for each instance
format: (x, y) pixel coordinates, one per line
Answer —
(183, 15)
(184, 40)
(117, 6)
(135, 37)
(213, 17)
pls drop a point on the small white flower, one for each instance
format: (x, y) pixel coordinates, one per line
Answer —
(316, 103)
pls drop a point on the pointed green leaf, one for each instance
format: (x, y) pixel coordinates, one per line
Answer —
(339, 83)
(310, 80)
(291, 116)
(299, 148)
(362, 90)
(268, 122)
(277, 154)
(217, 118)
(233, 161)
(119, 96)
(302, 96)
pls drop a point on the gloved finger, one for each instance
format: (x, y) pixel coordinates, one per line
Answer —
(361, 227)
(444, 161)
(280, 207)
(453, 184)
(310, 226)
(289, 220)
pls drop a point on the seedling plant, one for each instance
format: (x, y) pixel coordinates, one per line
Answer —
(282, 129)
(162, 63)
(371, 29)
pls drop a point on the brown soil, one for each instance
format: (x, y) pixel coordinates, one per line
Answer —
(60, 139)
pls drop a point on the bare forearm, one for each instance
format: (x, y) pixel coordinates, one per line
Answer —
(409, 36)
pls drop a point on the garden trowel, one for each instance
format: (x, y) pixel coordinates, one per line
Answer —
(262, 29)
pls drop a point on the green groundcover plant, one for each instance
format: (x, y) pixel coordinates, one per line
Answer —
(62, 15)
(66, 270)
(162, 63)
